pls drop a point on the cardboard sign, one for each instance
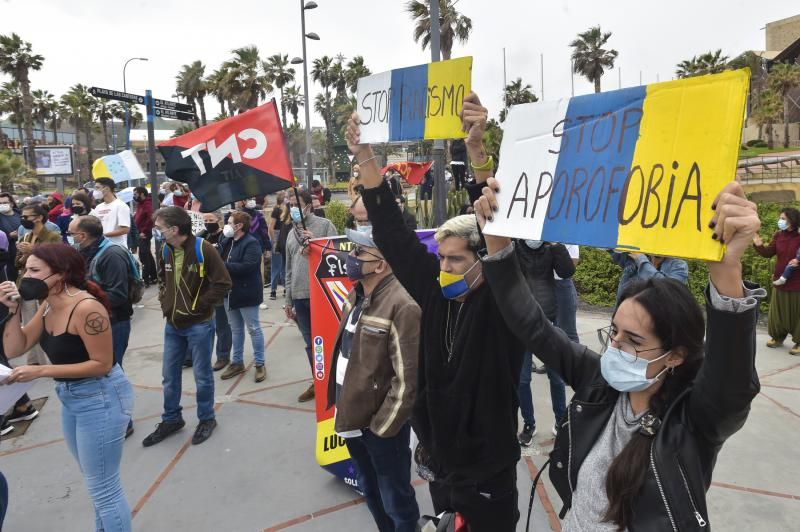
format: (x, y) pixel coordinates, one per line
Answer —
(414, 103)
(635, 169)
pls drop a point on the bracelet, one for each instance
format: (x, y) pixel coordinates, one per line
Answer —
(488, 165)
(368, 160)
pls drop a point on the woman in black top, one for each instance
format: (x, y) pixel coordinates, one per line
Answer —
(73, 327)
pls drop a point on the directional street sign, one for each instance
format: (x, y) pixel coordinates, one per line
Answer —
(169, 113)
(109, 94)
(175, 106)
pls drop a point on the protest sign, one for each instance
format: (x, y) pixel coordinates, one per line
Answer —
(329, 286)
(233, 159)
(414, 103)
(635, 169)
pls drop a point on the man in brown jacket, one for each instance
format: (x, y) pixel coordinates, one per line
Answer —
(374, 379)
(192, 282)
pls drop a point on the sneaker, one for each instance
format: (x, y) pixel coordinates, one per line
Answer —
(795, 350)
(306, 395)
(221, 363)
(267, 284)
(5, 428)
(129, 430)
(263, 306)
(26, 415)
(203, 431)
(774, 343)
(233, 370)
(163, 429)
(780, 281)
(261, 373)
(273, 296)
(526, 436)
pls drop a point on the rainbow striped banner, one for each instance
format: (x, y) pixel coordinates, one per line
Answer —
(414, 103)
(635, 169)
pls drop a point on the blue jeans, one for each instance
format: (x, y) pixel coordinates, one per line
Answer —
(120, 333)
(276, 271)
(223, 332)
(196, 340)
(94, 416)
(558, 394)
(384, 475)
(239, 318)
(567, 303)
(303, 309)
(3, 499)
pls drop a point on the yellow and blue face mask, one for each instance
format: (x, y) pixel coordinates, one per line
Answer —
(454, 285)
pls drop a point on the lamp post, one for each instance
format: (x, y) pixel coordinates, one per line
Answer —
(127, 105)
(296, 61)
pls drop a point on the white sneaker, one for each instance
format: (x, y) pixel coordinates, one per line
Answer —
(263, 306)
(6, 428)
(780, 281)
(555, 430)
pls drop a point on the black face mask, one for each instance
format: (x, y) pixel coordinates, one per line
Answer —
(78, 210)
(31, 288)
(27, 224)
(212, 228)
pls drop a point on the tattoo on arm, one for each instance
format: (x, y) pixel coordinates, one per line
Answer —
(95, 324)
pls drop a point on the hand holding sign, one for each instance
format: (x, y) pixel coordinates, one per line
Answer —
(485, 209)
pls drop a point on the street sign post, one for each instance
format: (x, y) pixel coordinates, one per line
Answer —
(177, 115)
(175, 106)
(109, 94)
(151, 148)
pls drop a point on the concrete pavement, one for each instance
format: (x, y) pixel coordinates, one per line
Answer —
(258, 472)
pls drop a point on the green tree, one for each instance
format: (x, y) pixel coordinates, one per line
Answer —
(452, 25)
(766, 111)
(356, 69)
(44, 105)
(325, 73)
(81, 109)
(191, 84)
(296, 143)
(14, 171)
(219, 86)
(17, 60)
(293, 100)
(589, 58)
(782, 79)
(281, 74)
(11, 104)
(247, 83)
(707, 63)
(492, 138)
(516, 93)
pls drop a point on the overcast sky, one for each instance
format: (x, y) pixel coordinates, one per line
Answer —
(87, 41)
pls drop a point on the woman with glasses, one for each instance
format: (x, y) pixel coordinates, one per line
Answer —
(648, 418)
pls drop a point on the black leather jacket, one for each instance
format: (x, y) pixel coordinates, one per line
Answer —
(684, 451)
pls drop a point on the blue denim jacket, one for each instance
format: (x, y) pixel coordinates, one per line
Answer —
(642, 269)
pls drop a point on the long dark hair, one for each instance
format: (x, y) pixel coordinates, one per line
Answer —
(62, 258)
(678, 323)
(793, 216)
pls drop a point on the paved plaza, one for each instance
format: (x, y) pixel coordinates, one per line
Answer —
(258, 471)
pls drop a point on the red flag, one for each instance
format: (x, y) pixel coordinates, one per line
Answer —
(412, 172)
(233, 159)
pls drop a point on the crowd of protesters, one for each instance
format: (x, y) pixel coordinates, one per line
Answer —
(439, 344)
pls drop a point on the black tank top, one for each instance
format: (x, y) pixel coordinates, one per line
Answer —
(64, 348)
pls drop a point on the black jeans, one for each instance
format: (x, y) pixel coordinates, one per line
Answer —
(489, 506)
(384, 475)
(459, 175)
(147, 260)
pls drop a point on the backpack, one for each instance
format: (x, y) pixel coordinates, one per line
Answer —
(198, 252)
(135, 281)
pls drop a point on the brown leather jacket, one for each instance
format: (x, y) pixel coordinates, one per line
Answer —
(380, 383)
(45, 237)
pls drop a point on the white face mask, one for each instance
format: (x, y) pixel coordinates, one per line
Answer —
(5, 207)
(179, 193)
(97, 194)
(626, 372)
(228, 231)
(250, 204)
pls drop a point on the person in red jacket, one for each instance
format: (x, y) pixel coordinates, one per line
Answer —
(144, 224)
(56, 204)
(784, 309)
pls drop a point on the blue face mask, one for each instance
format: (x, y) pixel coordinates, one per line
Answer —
(294, 212)
(782, 224)
(626, 372)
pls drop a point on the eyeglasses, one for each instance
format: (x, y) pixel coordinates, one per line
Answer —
(606, 336)
(358, 250)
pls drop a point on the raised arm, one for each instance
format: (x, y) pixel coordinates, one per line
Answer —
(18, 340)
(765, 251)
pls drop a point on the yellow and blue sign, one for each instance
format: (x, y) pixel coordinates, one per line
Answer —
(414, 103)
(635, 169)
(120, 167)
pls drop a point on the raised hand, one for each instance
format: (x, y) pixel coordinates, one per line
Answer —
(473, 120)
(485, 209)
(352, 134)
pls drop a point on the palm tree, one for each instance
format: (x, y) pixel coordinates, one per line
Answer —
(246, 79)
(44, 105)
(589, 58)
(218, 86)
(105, 113)
(356, 69)
(293, 100)
(766, 112)
(17, 60)
(189, 84)
(516, 93)
(281, 74)
(325, 73)
(296, 143)
(453, 25)
(782, 79)
(82, 108)
(707, 63)
(11, 102)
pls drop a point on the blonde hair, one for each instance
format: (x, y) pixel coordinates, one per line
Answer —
(465, 227)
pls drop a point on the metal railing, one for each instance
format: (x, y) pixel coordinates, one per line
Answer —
(769, 170)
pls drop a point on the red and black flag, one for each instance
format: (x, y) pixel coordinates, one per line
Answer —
(412, 172)
(233, 159)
